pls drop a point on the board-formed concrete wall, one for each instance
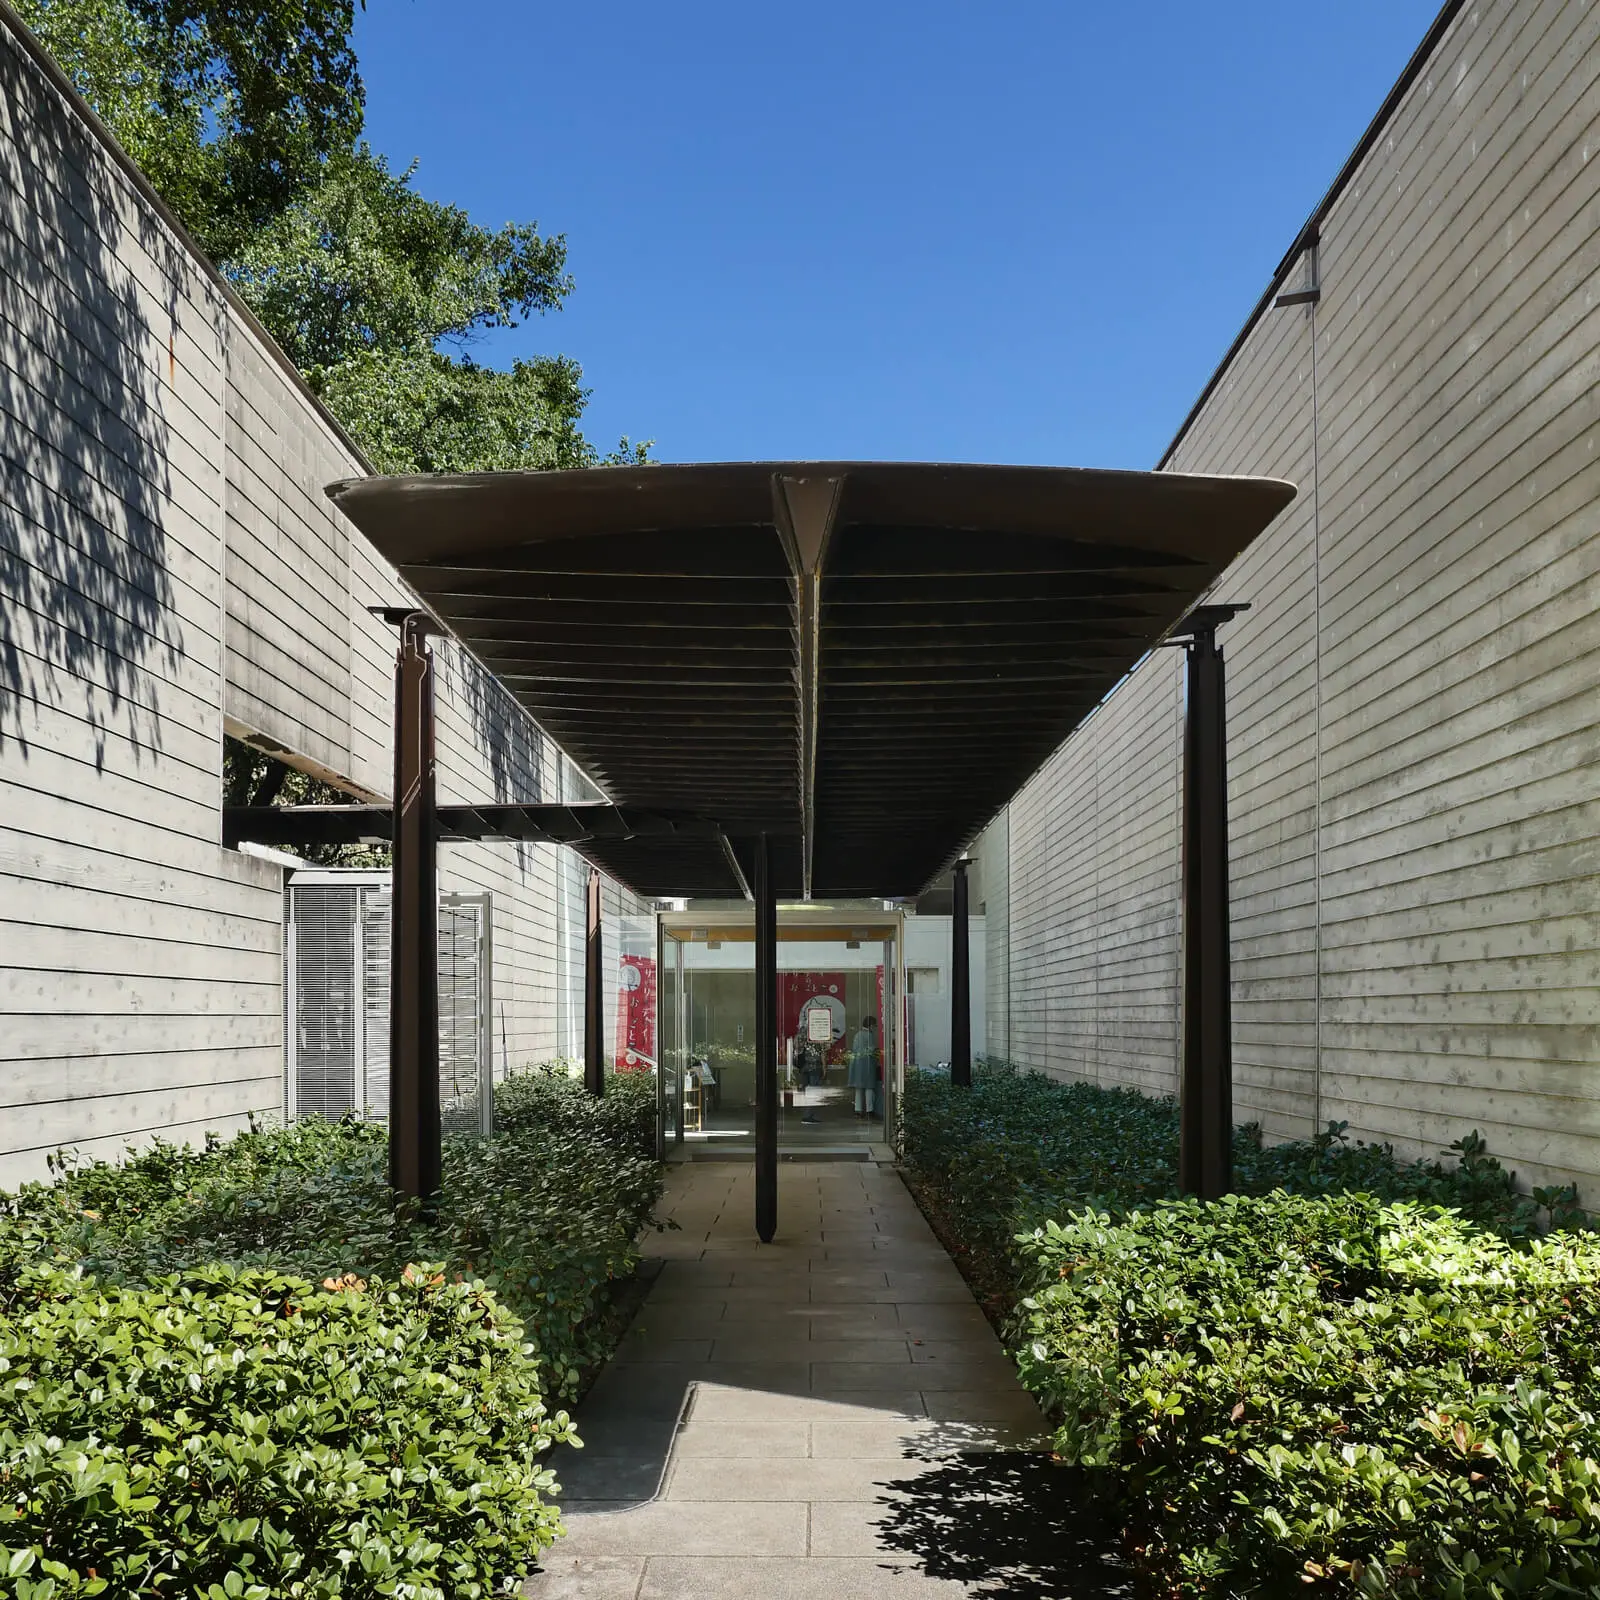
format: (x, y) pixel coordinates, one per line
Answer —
(1414, 733)
(310, 670)
(169, 566)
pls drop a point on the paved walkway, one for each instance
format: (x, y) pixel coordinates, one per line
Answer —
(825, 1416)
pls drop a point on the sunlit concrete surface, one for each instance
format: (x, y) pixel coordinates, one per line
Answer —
(828, 1415)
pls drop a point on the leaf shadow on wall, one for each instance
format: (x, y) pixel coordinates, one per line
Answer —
(88, 608)
(511, 745)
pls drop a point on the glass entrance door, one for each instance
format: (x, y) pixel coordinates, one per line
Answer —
(838, 1045)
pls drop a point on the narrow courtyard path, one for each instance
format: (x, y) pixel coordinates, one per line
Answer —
(829, 1415)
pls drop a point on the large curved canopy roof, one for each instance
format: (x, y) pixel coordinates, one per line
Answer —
(863, 661)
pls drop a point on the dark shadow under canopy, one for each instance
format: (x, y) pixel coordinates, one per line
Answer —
(862, 661)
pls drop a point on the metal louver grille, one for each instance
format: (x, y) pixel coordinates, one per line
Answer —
(375, 1001)
(461, 1013)
(325, 1024)
(339, 1002)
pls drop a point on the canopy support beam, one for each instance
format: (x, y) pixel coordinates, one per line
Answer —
(1205, 1101)
(414, 1132)
(594, 1061)
(766, 962)
(805, 509)
(960, 981)
(731, 857)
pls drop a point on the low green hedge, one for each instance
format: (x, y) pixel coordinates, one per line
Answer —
(1328, 1395)
(1350, 1390)
(244, 1435)
(1016, 1148)
(387, 1422)
(553, 1097)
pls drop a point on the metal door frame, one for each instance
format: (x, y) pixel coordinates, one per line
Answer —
(739, 914)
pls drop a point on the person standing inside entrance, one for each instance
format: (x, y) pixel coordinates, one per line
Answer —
(808, 1073)
(863, 1076)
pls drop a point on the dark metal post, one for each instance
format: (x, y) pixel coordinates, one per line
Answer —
(1205, 1148)
(766, 1047)
(594, 996)
(960, 983)
(414, 1155)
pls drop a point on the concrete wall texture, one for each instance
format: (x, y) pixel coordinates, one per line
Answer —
(1413, 728)
(170, 566)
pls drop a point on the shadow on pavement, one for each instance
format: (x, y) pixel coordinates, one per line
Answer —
(1013, 1525)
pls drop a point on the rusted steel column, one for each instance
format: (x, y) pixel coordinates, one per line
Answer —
(594, 996)
(1205, 1139)
(414, 1155)
(766, 1046)
(961, 983)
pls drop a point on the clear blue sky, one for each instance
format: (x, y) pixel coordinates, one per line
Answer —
(1002, 232)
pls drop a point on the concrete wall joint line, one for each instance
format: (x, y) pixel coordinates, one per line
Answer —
(1316, 723)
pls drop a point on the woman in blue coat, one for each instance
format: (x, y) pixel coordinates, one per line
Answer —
(863, 1075)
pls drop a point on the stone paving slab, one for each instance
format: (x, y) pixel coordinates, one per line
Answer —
(840, 1529)
(856, 1479)
(569, 1577)
(687, 1528)
(799, 1420)
(727, 1404)
(826, 1418)
(738, 1440)
(668, 1349)
(669, 1578)
(951, 1293)
(982, 1408)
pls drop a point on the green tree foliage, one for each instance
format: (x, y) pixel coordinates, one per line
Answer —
(422, 411)
(229, 106)
(361, 262)
(363, 282)
(246, 115)
(278, 83)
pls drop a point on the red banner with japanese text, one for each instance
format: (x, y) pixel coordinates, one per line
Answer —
(636, 1014)
(803, 992)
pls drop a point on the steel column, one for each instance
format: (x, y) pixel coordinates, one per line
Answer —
(594, 995)
(414, 1154)
(680, 1055)
(961, 982)
(1205, 1148)
(766, 960)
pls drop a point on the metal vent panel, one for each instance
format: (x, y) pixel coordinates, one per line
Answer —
(324, 1034)
(462, 1010)
(375, 1001)
(339, 1004)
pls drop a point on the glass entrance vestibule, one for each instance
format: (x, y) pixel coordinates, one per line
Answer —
(839, 1040)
